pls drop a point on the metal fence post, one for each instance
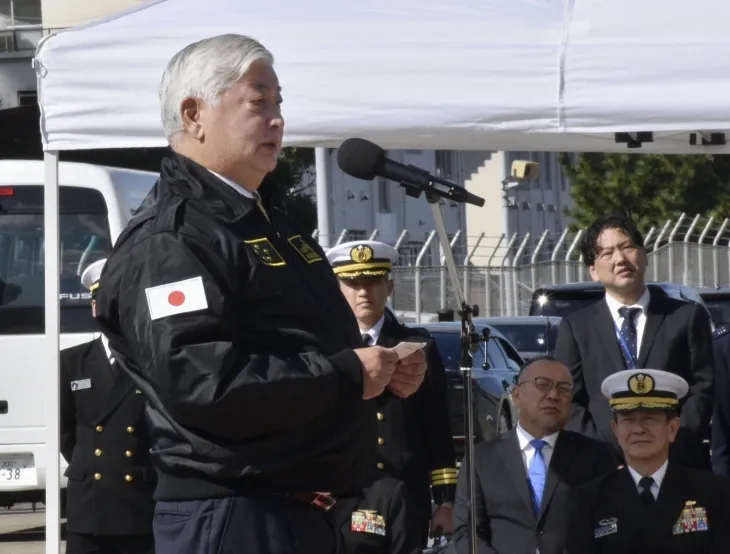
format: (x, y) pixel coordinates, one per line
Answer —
(417, 284)
(670, 240)
(685, 268)
(442, 276)
(467, 261)
(533, 259)
(715, 260)
(572, 248)
(554, 257)
(315, 234)
(659, 238)
(341, 238)
(701, 254)
(515, 292)
(400, 240)
(502, 277)
(374, 234)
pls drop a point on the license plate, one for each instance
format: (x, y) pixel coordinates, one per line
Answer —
(17, 470)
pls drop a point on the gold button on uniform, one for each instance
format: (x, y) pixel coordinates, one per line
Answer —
(97, 476)
(381, 441)
(380, 416)
(99, 428)
(128, 453)
(97, 452)
(380, 465)
(128, 478)
(130, 429)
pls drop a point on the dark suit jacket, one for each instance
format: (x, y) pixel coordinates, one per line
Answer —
(506, 522)
(105, 442)
(677, 338)
(415, 433)
(386, 498)
(639, 530)
(721, 417)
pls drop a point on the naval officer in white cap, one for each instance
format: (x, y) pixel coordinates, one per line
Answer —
(109, 502)
(415, 443)
(651, 504)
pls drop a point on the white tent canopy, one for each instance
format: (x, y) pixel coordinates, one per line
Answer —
(470, 74)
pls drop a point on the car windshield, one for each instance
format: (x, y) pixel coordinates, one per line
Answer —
(530, 337)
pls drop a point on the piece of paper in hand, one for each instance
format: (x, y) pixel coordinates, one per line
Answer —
(405, 349)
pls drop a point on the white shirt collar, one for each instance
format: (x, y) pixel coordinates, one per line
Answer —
(235, 186)
(642, 303)
(105, 343)
(524, 437)
(658, 475)
(375, 331)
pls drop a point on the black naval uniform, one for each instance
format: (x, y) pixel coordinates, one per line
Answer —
(255, 398)
(110, 488)
(720, 429)
(415, 444)
(379, 521)
(691, 515)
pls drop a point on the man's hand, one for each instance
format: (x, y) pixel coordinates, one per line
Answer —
(378, 365)
(442, 522)
(408, 375)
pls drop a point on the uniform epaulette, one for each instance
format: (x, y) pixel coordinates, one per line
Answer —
(720, 331)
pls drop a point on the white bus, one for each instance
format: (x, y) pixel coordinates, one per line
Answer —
(95, 204)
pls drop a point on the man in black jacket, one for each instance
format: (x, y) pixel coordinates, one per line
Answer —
(635, 328)
(109, 501)
(414, 435)
(231, 323)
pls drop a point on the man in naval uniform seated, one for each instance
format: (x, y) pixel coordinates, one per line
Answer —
(415, 444)
(652, 505)
(109, 502)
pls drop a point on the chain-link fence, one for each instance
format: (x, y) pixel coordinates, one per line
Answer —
(500, 274)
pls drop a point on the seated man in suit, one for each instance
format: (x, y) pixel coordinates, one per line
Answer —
(653, 504)
(631, 329)
(524, 478)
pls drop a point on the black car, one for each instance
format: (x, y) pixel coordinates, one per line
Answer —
(718, 304)
(560, 300)
(495, 366)
(531, 336)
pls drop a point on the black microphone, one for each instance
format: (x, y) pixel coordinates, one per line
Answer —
(362, 159)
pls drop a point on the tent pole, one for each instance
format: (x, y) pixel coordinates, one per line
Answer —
(323, 205)
(52, 381)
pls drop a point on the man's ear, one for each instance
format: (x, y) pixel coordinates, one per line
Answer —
(391, 286)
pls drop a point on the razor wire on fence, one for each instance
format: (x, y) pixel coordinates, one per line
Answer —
(500, 274)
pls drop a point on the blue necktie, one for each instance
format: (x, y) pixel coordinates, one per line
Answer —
(628, 333)
(536, 474)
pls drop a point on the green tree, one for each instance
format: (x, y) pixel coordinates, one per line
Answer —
(291, 182)
(651, 188)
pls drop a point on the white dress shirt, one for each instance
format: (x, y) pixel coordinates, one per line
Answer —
(640, 320)
(527, 450)
(238, 188)
(658, 477)
(375, 331)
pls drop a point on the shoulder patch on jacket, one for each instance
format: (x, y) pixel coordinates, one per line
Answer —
(176, 298)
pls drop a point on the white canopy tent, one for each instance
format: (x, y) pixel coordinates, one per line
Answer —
(563, 75)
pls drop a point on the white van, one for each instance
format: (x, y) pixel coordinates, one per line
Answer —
(95, 205)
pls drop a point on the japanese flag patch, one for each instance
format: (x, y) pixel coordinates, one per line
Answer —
(180, 297)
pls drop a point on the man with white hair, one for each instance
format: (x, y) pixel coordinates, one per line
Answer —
(230, 321)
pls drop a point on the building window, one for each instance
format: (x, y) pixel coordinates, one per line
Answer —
(356, 234)
(27, 98)
(383, 196)
(444, 164)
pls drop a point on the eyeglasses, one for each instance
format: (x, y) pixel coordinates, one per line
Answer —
(545, 385)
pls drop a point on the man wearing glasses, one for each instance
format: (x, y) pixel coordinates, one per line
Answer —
(525, 512)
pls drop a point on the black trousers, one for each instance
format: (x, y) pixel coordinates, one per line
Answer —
(80, 543)
(253, 524)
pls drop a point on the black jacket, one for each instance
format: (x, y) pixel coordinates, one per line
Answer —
(104, 440)
(379, 521)
(677, 338)
(720, 444)
(417, 446)
(607, 517)
(256, 386)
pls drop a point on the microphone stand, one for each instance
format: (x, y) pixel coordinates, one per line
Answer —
(468, 338)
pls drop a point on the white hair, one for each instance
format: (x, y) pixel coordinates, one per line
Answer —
(204, 70)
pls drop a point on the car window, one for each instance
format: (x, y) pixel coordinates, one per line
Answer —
(561, 303)
(514, 360)
(496, 356)
(535, 337)
(449, 346)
